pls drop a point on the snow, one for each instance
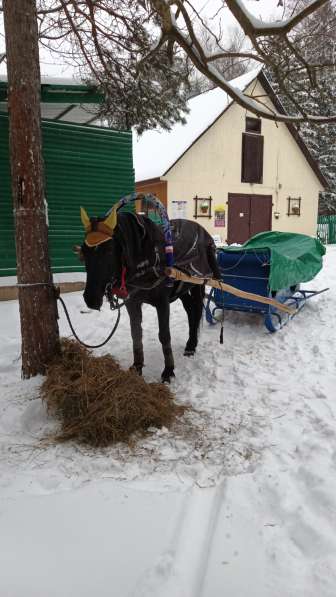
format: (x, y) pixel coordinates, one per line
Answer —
(258, 24)
(58, 278)
(155, 151)
(240, 499)
(47, 80)
(277, 26)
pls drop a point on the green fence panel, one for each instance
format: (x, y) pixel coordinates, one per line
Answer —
(326, 229)
(84, 166)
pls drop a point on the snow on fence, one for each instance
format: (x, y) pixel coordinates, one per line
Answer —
(326, 229)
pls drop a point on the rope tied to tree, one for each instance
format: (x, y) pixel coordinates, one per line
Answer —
(113, 301)
(114, 329)
(34, 284)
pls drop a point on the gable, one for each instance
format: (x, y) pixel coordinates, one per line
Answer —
(156, 151)
(212, 165)
(218, 150)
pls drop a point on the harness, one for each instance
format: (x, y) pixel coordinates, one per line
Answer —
(115, 291)
(100, 231)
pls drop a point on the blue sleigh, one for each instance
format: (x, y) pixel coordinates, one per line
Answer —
(271, 264)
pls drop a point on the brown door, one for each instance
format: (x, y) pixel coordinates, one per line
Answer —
(261, 214)
(238, 218)
(248, 215)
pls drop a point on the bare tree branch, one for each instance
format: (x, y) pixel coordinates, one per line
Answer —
(118, 42)
(257, 28)
(275, 49)
(248, 55)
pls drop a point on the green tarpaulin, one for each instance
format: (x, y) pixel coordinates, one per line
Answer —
(294, 258)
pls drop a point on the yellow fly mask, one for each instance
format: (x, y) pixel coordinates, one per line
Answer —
(98, 232)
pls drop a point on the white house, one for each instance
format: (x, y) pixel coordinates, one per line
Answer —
(234, 173)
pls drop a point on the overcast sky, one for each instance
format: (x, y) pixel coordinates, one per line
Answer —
(266, 9)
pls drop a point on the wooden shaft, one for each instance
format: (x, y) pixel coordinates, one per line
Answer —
(171, 272)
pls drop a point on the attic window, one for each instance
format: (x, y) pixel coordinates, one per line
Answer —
(253, 125)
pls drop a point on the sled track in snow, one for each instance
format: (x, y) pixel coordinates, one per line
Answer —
(185, 562)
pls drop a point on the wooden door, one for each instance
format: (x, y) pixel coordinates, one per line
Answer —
(238, 218)
(248, 215)
(260, 214)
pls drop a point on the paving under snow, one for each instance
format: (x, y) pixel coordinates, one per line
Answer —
(240, 501)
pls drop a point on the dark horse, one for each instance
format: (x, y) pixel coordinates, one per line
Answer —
(129, 249)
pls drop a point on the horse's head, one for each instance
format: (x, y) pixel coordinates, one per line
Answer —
(101, 257)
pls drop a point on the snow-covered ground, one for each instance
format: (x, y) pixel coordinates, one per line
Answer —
(238, 501)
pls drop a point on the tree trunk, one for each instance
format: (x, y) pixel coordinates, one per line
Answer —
(38, 310)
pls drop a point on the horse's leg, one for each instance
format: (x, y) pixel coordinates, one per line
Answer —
(163, 313)
(135, 315)
(193, 304)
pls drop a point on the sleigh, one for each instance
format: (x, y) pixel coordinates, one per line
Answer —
(272, 265)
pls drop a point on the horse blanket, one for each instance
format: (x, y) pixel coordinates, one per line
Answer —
(143, 249)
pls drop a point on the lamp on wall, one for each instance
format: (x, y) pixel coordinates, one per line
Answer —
(277, 215)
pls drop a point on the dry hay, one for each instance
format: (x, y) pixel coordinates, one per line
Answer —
(98, 403)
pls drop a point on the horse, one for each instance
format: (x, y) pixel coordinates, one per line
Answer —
(124, 254)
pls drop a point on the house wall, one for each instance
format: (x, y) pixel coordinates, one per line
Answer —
(212, 166)
(153, 186)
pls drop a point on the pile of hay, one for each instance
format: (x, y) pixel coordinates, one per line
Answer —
(98, 403)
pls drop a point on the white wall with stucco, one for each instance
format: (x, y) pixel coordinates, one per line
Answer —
(212, 166)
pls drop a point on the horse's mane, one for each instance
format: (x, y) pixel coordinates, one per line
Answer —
(142, 246)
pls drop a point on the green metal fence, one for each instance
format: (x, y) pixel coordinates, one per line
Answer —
(84, 166)
(326, 229)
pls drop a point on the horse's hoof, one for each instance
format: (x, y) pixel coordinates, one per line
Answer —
(167, 375)
(136, 368)
(189, 353)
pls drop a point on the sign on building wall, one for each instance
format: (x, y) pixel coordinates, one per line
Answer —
(179, 209)
(219, 216)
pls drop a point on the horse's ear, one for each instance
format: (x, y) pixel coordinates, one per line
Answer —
(111, 220)
(85, 219)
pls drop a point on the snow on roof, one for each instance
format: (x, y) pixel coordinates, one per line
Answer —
(46, 80)
(155, 151)
(75, 109)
